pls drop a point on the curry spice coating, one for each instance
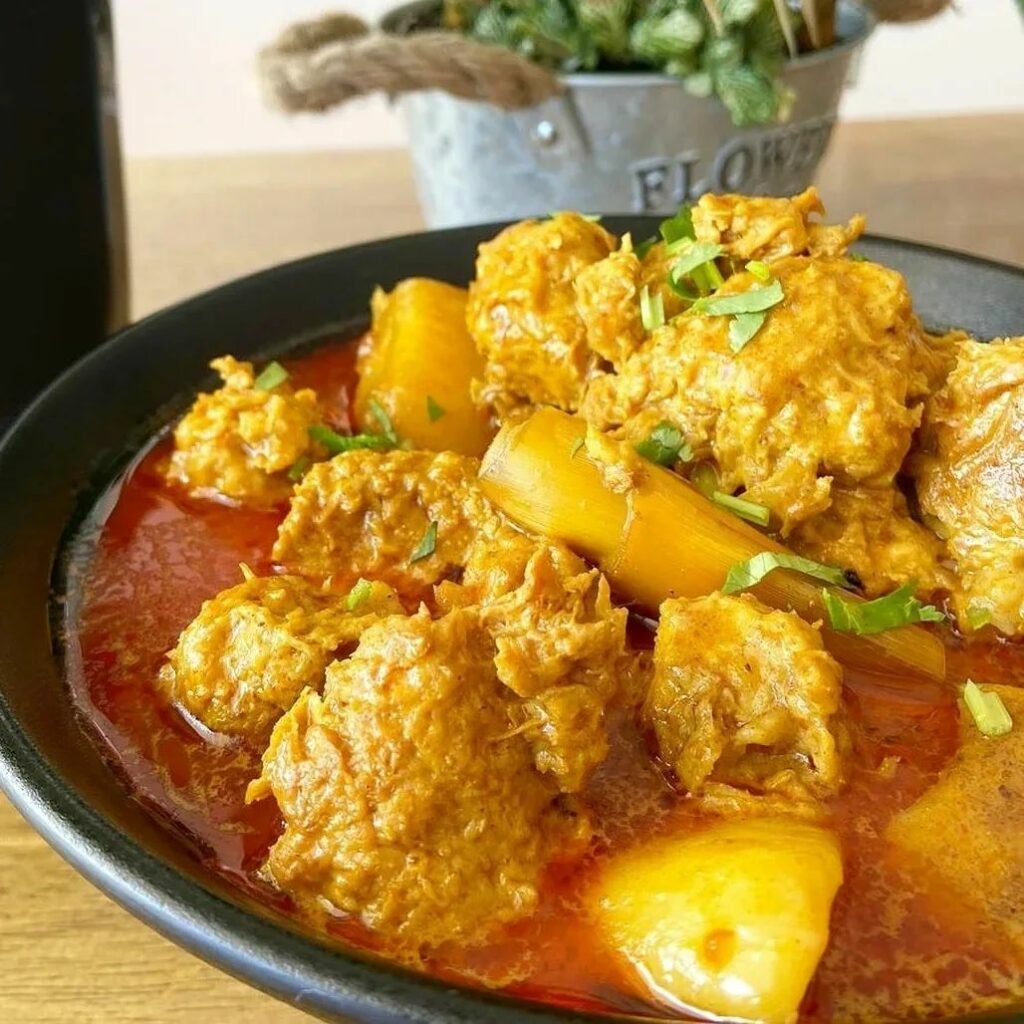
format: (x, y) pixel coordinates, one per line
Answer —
(829, 390)
(366, 513)
(768, 229)
(239, 442)
(248, 654)
(608, 299)
(870, 530)
(522, 312)
(970, 477)
(409, 794)
(562, 647)
(745, 696)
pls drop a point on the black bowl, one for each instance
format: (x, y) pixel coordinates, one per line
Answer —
(73, 441)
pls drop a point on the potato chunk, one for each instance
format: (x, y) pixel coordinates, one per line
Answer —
(968, 829)
(240, 441)
(419, 365)
(731, 920)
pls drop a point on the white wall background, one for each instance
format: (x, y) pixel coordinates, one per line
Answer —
(187, 82)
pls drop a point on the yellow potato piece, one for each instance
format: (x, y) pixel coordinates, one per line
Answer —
(731, 920)
(419, 365)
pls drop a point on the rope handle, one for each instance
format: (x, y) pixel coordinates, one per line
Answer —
(316, 65)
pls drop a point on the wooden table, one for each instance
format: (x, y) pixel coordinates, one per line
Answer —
(66, 952)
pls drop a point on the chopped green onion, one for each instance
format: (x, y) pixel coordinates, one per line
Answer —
(978, 616)
(677, 227)
(270, 377)
(858, 258)
(434, 409)
(338, 443)
(427, 545)
(760, 270)
(753, 570)
(900, 608)
(300, 467)
(748, 510)
(704, 478)
(685, 288)
(665, 445)
(652, 309)
(384, 421)
(693, 255)
(359, 594)
(708, 277)
(753, 301)
(576, 446)
(594, 218)
(987, 709)
(641, 249)
(743, 327)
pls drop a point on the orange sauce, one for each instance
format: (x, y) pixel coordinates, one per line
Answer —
(897, 936)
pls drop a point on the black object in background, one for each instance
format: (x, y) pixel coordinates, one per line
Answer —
(63, 284)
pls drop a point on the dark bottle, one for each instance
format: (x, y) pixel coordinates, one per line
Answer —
(63, 284)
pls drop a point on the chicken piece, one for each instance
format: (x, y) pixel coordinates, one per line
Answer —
(829, 388)
(522, 312)
(968, 829)
(869, 530)
(240, 441)
(608, 299)
(745, 696)
(763, 228)
(370, 513)
(408, 794)
(970, 478)
(561, 646)
(242, 661)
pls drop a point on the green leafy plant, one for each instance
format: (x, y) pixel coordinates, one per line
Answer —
(734, 49)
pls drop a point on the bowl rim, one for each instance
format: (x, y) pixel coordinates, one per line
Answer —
(289, 964)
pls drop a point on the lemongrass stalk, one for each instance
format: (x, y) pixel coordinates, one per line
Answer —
(657, 537)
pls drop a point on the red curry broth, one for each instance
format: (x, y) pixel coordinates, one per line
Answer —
(900, 942)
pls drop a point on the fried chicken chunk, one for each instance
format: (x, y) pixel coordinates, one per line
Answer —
(829, 389)
(522, 312)
(744, 696)
(242, 661)
(561, 646)
(763, 228)
(970, 477)
(870, 531)
(375, 514)
(240, 441)
(409, 795)
(608, 299)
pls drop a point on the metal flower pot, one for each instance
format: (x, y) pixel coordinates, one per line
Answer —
(618, 142)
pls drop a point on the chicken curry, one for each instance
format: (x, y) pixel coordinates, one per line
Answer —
(635, 630)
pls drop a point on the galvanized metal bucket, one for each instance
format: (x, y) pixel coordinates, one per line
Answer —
(619, 142)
